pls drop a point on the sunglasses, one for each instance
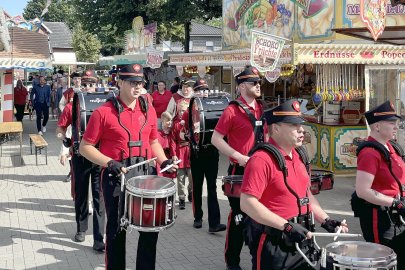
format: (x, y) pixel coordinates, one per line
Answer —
(255, 83)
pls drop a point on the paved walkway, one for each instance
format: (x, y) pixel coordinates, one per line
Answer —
(37, 221)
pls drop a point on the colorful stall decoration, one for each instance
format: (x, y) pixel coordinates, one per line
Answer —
(241, 16)
(317, 21)
(352, 19)
(265, 50)
(334, 147)
(140, 36)
(372, 13)
(154, 58)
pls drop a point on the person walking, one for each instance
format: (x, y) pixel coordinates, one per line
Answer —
(41, 96)
(20, 98)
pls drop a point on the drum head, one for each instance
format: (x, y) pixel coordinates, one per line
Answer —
(352, 252)
(151, 185)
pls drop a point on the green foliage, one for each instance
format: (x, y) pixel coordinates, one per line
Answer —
(58, 11)
(86, 45)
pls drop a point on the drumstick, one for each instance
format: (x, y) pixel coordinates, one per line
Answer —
(138, 164)
(170, 166)
(339, 230)
(336, 234)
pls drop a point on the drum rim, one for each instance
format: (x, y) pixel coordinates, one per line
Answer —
(152, 229)
(321, 173)
(162, 193)
(361, 262)
(232, 179)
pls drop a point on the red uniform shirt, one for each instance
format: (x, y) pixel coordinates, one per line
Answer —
(160, 101)
(20, 95)
(164, 140)
(104, 128)
(370, 160)
(235, 124)
(264, 180)
(65, 118)
(178, 147)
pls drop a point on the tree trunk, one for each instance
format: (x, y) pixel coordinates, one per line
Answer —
(187, 26)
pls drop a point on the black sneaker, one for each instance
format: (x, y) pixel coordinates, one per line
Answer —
(182, 204)
(99, 246)
(190, 197)
(197, 223)
(218, 228)
(80, 236)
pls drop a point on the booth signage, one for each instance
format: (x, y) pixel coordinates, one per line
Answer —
(373, 14)
(24, 63)
(265, 50)
(225, 58)
(349, 54)
(272, 76)
(154, 58)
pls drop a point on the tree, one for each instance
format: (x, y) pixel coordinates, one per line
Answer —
(58, 11)
(86, 45)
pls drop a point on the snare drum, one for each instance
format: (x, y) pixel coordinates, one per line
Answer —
(349, 255)
(149, 203)
(231, 185)
(325, 178)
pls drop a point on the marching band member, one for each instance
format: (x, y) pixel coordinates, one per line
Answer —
(180, 149)
(242, 124)
(185, 93)
(280, 203)
(125, 130)
(77, 82)
(204, 165)
(380, 182)
(83, 170)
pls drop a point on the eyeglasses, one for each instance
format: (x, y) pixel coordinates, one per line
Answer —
(133, 84)
(88, 85)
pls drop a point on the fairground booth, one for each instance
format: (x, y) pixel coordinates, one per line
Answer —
(337, 77)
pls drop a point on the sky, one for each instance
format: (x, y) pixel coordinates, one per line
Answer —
(13, 7)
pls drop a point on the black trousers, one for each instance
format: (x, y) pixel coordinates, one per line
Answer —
(116, 237)
(83, 171)
(234, 234)
(378, 227)
(204, 163)
(42, 108)
(20, 112)
(269, 251)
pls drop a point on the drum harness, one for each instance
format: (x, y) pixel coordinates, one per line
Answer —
(124, 223)
(307, 220)
(395, 218)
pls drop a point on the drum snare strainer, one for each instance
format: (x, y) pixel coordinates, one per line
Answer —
(349, 255)
(149, 203)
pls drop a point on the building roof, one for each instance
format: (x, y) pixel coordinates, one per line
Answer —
(198, 29)
(60, 35)
(27, 44)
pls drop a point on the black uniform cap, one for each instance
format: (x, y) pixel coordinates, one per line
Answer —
(249, 74)
(75, 74)
(132, 73)
(288, 112)
(89, 76)
(383, 112)
(200, 84)
(188, 83)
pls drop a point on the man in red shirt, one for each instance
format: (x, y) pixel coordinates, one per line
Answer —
(125, 130)
(380, 183)
(242, 134)
(161, 99)
(279, 205)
